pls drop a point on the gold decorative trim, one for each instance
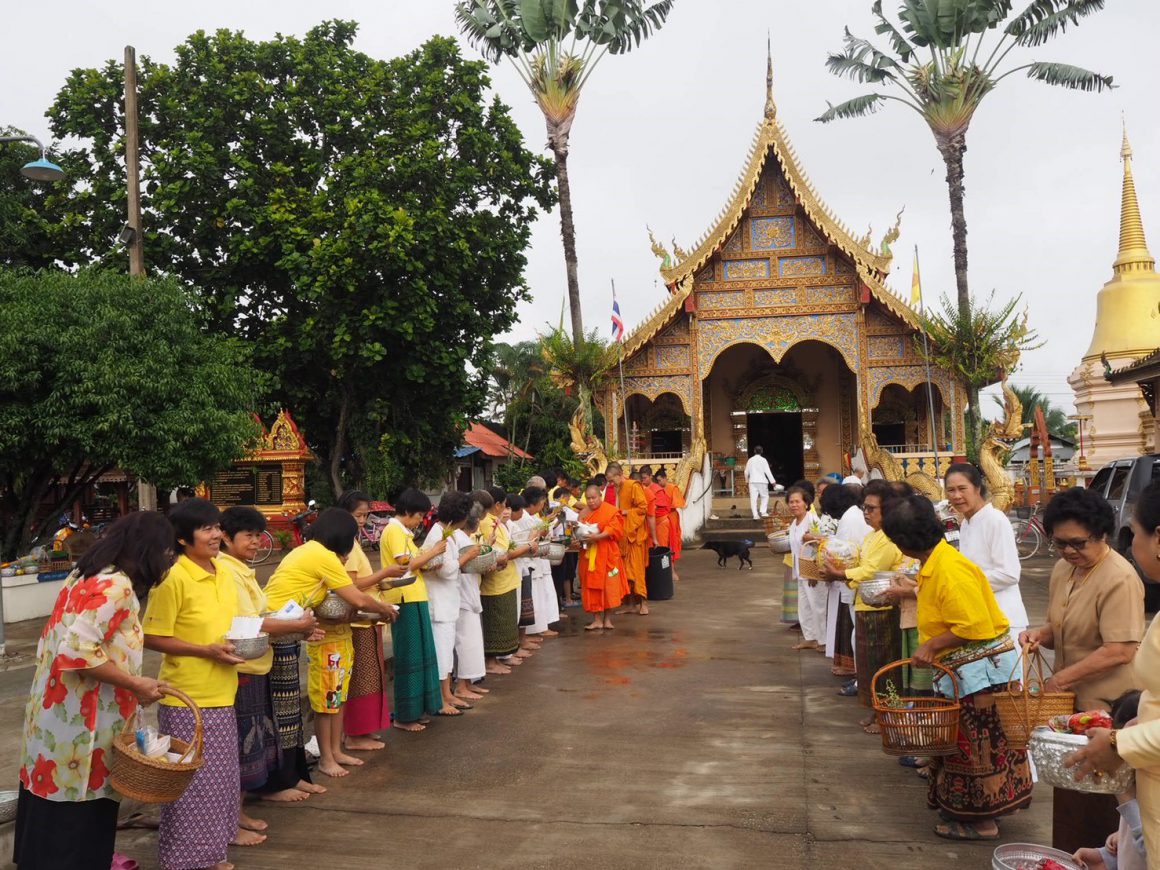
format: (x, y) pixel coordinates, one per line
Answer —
(659, 318)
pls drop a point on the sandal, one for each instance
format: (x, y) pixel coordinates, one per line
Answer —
(961, 831)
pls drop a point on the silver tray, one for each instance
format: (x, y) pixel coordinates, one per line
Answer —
(1049, 748)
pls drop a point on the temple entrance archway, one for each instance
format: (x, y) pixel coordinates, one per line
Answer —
(659, 429)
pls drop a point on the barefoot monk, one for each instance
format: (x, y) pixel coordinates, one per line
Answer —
(633, 502)
(602, 578)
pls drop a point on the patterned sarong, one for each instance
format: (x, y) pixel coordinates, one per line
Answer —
(258, 750)
(501, 635)
(789, 598)
(843, 638)
(416, 666)
(367, 710)
(286, 692)
(196, 829)
(878, 639)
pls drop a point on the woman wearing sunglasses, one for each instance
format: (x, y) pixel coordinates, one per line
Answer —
(1095, 622)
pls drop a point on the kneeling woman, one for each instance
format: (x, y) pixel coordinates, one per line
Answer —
(984, 779)
(305, 575)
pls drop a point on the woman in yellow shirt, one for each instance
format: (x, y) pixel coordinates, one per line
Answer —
(500, 590)
(305, 576)
(367, 712)
(985, 779)
(260, 756)
(186, 620)
(417, 695)
(877, 632)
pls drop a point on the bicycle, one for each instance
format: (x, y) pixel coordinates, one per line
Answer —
(371, 532)
(1030, 535)
(299, 523)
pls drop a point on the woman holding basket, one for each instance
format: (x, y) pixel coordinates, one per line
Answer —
(88, 662)
(984, 779)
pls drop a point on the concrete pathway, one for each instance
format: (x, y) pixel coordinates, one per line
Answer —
(693, 738)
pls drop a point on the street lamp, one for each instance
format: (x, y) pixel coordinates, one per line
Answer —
(38, 170)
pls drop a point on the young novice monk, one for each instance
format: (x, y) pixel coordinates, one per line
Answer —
(602, 580)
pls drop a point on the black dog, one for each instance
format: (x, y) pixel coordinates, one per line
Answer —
(726, 549)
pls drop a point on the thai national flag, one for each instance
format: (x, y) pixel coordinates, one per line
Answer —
(617, 323)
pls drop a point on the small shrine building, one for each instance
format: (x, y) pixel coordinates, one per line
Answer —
(779, 330)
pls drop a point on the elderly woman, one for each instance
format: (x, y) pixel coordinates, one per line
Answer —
(876, 629)
(1095, 621)
(808, 597)
(983, 780)
(843, 502)
(88, 661)
(1138, 746)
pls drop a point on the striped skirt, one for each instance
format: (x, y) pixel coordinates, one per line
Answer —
(366, 710)
(286, 692)
(258, 750)
(417, 691)
(789, 598)
(501, 635)
(196, 829)
(916, 680)
(844, 638)
(878, 639)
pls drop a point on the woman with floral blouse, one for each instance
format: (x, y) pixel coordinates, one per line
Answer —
(87, 683)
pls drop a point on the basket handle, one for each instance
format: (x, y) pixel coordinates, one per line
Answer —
(193, 750)
(901, 663)
(1030, 660)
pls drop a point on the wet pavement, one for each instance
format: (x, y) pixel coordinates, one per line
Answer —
(693, 737)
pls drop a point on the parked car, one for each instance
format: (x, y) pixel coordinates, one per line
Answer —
(1121, 483)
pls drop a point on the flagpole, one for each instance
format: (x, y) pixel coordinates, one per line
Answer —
(926, 356)
(623, 400)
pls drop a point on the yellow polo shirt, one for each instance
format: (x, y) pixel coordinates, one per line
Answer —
(507, 578)
(305, 575)
(954, 595)
(251, 602)
(358, 564)
(877, 553)
(397, 541)
(198, 607)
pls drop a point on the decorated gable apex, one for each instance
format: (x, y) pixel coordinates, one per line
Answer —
(774, 227)
(282, 441)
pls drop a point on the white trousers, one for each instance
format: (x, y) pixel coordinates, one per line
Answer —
(813, 602)
(444, 634)
(759, 492)
(469, 658)
(544, 598)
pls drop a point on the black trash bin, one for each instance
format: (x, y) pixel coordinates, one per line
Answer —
(659, 575)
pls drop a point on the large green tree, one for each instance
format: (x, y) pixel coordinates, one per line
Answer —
(101, 371)
(26, 221)
(362, 222)
(555, 46)
(943, 57)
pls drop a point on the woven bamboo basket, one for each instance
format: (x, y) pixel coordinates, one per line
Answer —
(1023, 709)
(156, 780)
(808, 570)
(917, 726)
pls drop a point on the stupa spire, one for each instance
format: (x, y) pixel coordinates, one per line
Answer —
(1134, 255)
(770, 107)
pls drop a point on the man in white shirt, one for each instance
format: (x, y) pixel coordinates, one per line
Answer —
(759, 478)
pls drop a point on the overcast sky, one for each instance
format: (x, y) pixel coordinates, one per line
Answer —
(662, 134)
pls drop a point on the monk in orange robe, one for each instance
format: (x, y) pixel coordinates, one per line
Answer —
(671, 536)
(639, 514)
(603, 581)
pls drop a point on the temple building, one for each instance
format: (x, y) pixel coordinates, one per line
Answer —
(779, 330)
(1122, 423)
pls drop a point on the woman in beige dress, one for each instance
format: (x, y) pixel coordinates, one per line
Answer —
(1139, 745)
(1095, 622)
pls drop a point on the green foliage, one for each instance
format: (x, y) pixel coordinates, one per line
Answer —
(1057, 422)
(101, 371)
(361, 222)
(25, 220)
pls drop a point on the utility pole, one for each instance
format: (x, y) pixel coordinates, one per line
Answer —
(136, 241)
(134, 238)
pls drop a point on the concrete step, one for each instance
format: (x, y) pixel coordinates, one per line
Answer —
(757, 536)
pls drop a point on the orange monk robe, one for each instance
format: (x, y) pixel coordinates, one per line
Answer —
(677, 500)
(603, 582)
(635, 507)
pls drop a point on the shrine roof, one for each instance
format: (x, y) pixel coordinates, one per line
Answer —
(1145, 368)
(491, 443)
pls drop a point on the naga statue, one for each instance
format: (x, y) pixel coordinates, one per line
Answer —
(892, 235)
(659, 251)
(585, 444)
(680, 252)
(995, 446)
(883, 464)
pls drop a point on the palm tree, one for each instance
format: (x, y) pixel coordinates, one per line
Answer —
(580, 370)
(941, 63)
(980, 346)
(1058, 423)
(555, 45)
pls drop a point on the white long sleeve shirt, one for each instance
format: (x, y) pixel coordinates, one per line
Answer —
(757, 470)
(988, 540)
(443, 583)
(852, 527)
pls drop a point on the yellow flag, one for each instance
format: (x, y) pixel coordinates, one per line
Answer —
(915, 285)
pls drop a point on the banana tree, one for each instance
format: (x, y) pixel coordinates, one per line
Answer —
(944, 57)
(555, 45)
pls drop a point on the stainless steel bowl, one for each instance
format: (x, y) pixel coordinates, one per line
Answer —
(871, 590)
(544, 550)
(1011, 856)
(779, 542)
(1049, 748)
(250, 647)
(484, 563)
(334, 609)
(556, 552)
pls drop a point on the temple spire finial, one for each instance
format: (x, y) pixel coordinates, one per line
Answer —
(770, 107)
(1133, 255)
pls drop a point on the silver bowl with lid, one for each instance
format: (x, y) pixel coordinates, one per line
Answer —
(871, 590)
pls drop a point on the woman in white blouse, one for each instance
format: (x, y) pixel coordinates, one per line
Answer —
(844, 503)
(986, 538)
